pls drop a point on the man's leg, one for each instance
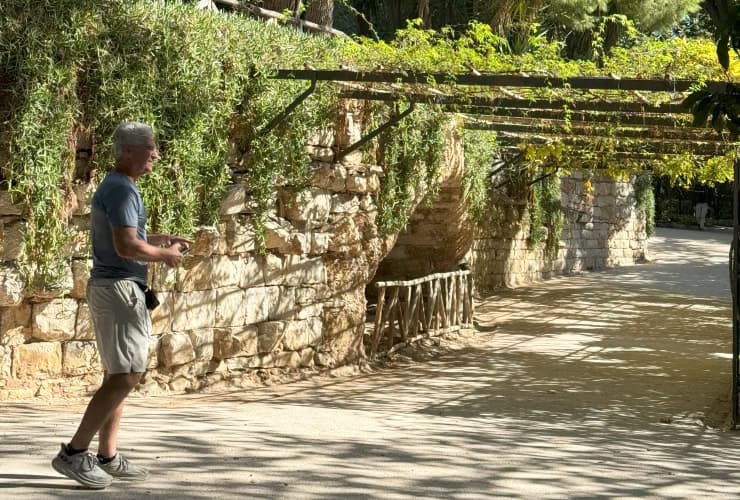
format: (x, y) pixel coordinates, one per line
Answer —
(108, 434)
(105, 408)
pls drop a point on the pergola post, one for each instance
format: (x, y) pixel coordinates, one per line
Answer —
(735, 281)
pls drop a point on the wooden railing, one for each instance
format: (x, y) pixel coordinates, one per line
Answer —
(432, 305)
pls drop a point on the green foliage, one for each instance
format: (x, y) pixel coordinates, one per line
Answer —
(546, 215)
(91, 64)
(645, 198)
(480, 148)
(411, 154)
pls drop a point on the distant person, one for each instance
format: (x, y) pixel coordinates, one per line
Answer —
(117, 295)
(701, 205)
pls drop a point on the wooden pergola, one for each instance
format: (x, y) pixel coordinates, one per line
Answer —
(643, 120)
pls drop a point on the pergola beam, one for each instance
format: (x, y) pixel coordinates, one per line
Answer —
(500, 80)
(616, 155)
(511, 102)
(589, 144)
(562, 127)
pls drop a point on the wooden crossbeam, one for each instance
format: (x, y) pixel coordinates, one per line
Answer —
(561, 127)
(647, 146)
(623, 155)
(510, 102)
(500, 80)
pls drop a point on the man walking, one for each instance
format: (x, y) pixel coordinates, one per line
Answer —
(115, 293)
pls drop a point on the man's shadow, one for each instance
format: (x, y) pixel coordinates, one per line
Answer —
(36, 481)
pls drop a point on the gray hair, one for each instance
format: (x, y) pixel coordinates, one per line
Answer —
(130, 134)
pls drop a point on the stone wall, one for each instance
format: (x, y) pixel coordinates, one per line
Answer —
(439, 235)
(229, 314)
(602, 229)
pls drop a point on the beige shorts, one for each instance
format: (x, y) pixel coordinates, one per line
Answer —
(122, 324)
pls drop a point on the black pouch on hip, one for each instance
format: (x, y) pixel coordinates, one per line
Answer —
(150, 298)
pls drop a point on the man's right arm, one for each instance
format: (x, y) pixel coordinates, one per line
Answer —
(128, 246)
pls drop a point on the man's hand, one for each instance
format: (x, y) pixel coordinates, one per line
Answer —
(172, 256)
(183, 242)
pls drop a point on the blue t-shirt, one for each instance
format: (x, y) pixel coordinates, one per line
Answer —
(117, 202)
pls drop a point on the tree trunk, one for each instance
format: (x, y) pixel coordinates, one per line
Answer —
(280, 5)
(578, 45)
(424, 14)
(320, 12)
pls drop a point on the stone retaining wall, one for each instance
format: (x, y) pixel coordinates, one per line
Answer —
(229, 314)
(602, 229)
(232, 315)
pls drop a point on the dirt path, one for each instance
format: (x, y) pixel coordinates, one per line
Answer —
(597, 386)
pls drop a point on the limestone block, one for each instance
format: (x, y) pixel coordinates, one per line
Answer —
(54, 320)
(83, 325)
(151, 360)
(80, 276)
(162, 315)
(373, 183)
(230, 306)
(307, 357)
(320, 243)
(11, 286)
(349, 128)
(346, 233)
(194, 310)
(39, 360)
(256, 305)
(13, 242)
(330, 177)
(234, 341)
(6, 357)
(235, 201)
(300, 334)
(320, 153)
(357, 184)
(79, 358)
(312, 205)
(205, 273)
(7, 207)
(240, 236)
(321, 137)
(203, 343)
(79, 244)
(305, 296)
(83, 193)
(273, 269)
(246, 363)
(269, 336)
(162, 277)
(367, 204)
(206, 241)
(286, 359)
(175, 349)
(15, 324)
(251, 271)
(282, 303)
(345, 204)
(310, 311)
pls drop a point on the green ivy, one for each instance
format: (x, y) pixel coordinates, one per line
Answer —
(412, 154)
(645, 200)
(546, 215)
(480, 147)
(201, 79)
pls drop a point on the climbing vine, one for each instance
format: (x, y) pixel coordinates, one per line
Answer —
(411, 154)
(645, 200)
(202, 80)
(82, 66)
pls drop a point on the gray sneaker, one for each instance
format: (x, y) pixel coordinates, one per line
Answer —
(83, 468)
(121, 468)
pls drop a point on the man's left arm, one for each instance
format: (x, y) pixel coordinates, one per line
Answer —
(168, 240)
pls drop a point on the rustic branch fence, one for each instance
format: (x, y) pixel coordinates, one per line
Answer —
(409, 310)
